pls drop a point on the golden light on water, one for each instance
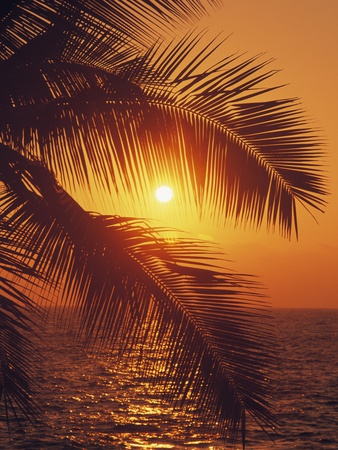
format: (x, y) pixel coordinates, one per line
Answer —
(164, 194)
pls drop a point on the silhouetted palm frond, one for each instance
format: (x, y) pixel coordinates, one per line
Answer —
(164, 115)
(252, 159)
(207, 327)
(17, 387)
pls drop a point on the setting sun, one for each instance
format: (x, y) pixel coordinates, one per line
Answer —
(164, 194)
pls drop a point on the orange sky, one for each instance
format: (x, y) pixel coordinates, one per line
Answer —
(302, 36)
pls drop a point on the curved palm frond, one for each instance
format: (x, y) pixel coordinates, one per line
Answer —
(208, 328)
(163, 115)
(252, 159)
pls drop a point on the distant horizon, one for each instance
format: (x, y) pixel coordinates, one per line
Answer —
(306, 307)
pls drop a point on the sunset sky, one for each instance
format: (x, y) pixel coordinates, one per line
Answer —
(148, 168)
(302, 39)
(302, 36)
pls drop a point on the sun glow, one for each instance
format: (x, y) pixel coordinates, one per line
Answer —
(164, 194)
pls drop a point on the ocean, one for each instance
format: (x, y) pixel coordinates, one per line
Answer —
(90, 403)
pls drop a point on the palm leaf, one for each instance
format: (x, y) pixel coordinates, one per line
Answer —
(231, 154)
(207, 327)
(251, 159)
(16, 363)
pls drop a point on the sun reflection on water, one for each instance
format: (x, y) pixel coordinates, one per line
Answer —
(108, 406)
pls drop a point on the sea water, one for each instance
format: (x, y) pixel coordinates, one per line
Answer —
(92, 403)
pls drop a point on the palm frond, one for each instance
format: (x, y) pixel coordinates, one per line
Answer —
(17, 355)
(247, 158)
(169, 114)
(251, 159)
(208, 328)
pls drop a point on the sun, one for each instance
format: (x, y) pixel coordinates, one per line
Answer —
(164, 194)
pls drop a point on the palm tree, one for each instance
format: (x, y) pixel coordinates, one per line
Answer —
(96, 106)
